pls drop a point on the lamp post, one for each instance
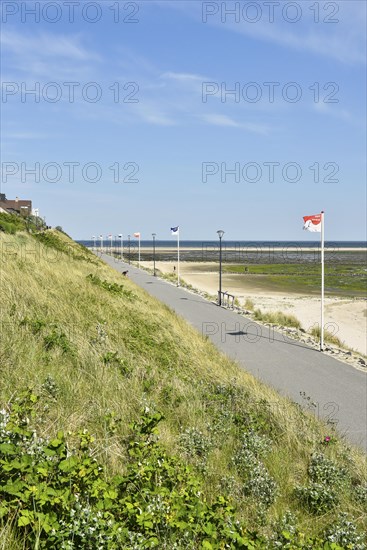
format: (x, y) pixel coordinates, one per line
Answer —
(220, 233)
(154, 236)
(94, 242)
(129, 247)
(121, 246)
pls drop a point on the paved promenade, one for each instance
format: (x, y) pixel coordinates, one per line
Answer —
(339, 390)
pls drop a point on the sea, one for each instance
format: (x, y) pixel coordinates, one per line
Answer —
(238, 251)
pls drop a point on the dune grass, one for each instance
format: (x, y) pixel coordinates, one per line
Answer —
(328, 336)
(97, 350)
(277, 318)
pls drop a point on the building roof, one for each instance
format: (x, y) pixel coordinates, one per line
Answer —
(16, 205)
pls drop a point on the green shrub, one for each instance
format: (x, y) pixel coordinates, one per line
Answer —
(60, 497)
(7, 227)
(361, 494)
(344, 533)
(114, 288)
(57, 339)
(112, 359)
(326, 479)
(56, 241)
(257, 481)
(34, 325)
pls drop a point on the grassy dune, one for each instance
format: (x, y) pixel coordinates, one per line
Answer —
(101, 355)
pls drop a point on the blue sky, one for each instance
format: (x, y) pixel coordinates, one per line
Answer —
(173, 132)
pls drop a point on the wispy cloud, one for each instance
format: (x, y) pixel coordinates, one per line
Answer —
(152, 113)
(339, 113)
(220, 120)
(184, 77)
(226, 121)
(46, 55)
(343, 41)
(46, 45)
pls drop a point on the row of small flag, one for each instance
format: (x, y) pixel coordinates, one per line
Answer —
(174, 231)
(311, 223)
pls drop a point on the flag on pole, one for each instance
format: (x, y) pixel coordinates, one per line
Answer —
(176, 231)
(137, 236)
(315, 224)
(312, 223)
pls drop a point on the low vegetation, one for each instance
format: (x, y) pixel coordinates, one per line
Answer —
(343, 278)
(12, 223)
(277, 318)
(121, 427)
(249, 304)
(328, 336)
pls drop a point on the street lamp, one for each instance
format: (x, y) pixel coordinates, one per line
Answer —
(154, 236)
(129, 247)
(121, 246)
(220, 235)
(94, 242)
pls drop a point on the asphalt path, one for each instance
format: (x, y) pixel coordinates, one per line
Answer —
(338, 390)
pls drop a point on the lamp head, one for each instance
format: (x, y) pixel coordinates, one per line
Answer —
(220, 233)
(154, 235)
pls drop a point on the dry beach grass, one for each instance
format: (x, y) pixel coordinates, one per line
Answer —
(102, 349)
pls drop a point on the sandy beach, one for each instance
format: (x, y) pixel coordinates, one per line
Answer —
(345, 317)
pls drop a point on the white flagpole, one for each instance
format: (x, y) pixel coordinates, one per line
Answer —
(178, 257)
(322, 283)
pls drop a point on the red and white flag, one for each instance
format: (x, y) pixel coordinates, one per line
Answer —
(312, 223)
(137, 235)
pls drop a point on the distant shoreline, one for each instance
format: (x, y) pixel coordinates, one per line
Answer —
(248, 249)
